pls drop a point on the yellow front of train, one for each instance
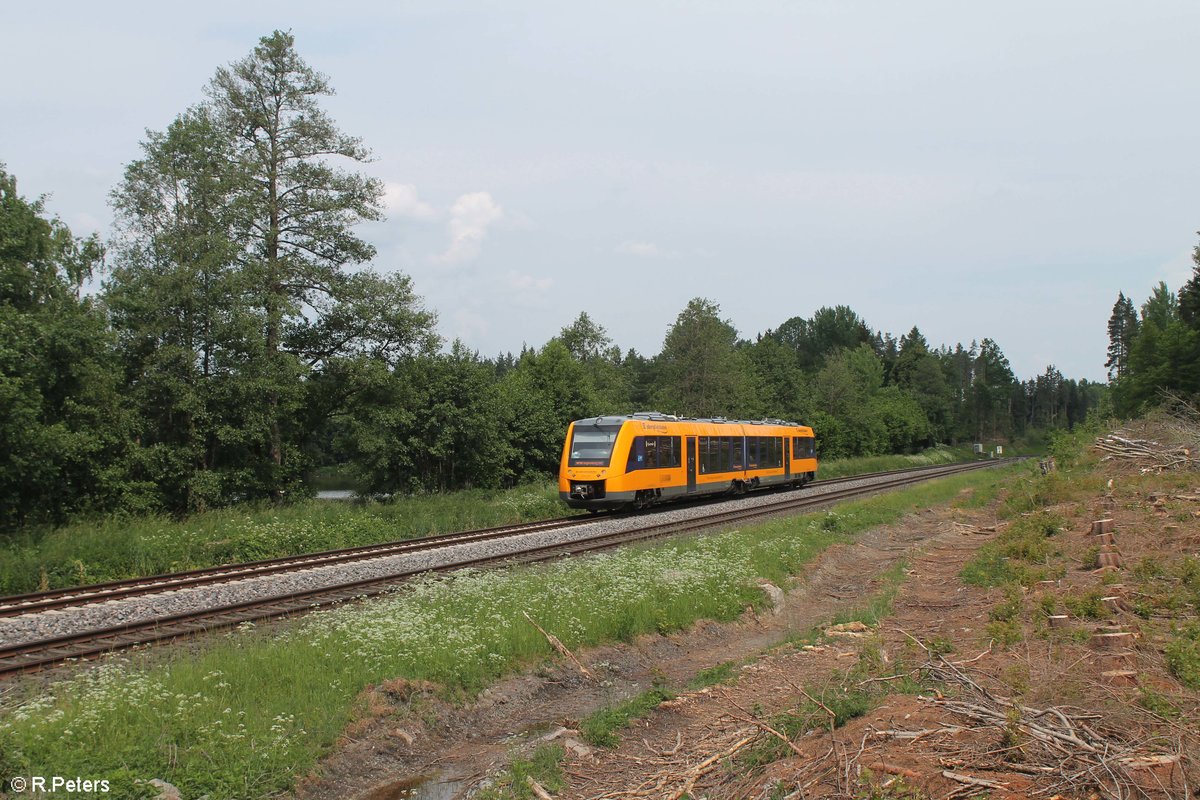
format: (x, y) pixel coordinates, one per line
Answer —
(594, 454)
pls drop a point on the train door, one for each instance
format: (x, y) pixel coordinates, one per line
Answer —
(787, 458)
(691, 463)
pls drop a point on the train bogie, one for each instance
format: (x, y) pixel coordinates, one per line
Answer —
(641, 459)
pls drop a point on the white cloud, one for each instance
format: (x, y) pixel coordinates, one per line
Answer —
(469, 325)
(526, 283)
(401, 199)
(84, 223)
(644, 250)
(470, 217)
(1178, 270)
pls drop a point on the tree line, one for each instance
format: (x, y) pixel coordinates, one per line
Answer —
(1154, 350)
(240, 338)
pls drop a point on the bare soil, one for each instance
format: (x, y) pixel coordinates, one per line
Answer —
(410, 743)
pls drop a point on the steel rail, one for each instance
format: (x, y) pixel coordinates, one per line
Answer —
(39, 654)
(69, 597)
(16, 605)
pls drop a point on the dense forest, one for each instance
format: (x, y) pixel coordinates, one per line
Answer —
(1155, 354)
(238, 338)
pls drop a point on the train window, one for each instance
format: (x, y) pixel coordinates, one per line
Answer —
(637, 454)
(739, 447)
(664, 451)
(654, 452)
(723, 459)
(592, 445)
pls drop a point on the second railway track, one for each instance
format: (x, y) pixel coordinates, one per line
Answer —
(47, 651)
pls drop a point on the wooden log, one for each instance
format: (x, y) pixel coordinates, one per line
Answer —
(1120, 677)
(1058, 621)
(893, 769)
(535, 787)
(1113, 603)
(1102, 526)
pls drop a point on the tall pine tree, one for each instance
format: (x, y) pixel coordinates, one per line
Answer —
(1122, 330)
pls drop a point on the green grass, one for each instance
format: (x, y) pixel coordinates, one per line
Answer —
(1021, 554)
(1183, 655)
(246, 715)
(124, 548)
(600, 727)
(843, 467)
(544, 765)
(846, 703)
(725, 672)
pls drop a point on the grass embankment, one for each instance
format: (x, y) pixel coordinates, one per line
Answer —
(248, 715)
(128, 547)
(602, 727)
(844, 467)
(131, 547)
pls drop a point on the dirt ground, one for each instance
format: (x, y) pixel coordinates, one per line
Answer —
(953, 712)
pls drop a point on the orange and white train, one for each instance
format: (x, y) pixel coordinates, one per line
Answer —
(637, 460)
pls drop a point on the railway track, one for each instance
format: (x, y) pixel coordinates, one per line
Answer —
(16, 605)
(46, 652)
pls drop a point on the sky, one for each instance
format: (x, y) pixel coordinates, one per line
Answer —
(997, 170)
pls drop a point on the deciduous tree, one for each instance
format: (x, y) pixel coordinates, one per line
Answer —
(64, 437)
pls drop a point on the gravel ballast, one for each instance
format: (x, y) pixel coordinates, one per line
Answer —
(61, 622)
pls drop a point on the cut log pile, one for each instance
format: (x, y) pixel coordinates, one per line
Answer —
(1147, 454)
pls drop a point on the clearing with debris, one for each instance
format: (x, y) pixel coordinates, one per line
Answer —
(1044, 644)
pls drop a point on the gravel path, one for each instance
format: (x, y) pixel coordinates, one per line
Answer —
(15, 630)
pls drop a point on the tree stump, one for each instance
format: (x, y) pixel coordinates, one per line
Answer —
(1120, 677)
(1113, 603)
(1154, 774)
(1108, 641)
(1102, 526)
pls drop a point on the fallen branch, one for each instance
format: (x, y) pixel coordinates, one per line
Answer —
(536, 788)
(892, 769)
(967, 779)
(708, 765)
(561, 648)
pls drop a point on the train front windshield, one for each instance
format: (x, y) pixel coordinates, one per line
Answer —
(592, 445)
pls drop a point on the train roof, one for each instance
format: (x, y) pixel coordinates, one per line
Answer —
(658, 416)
